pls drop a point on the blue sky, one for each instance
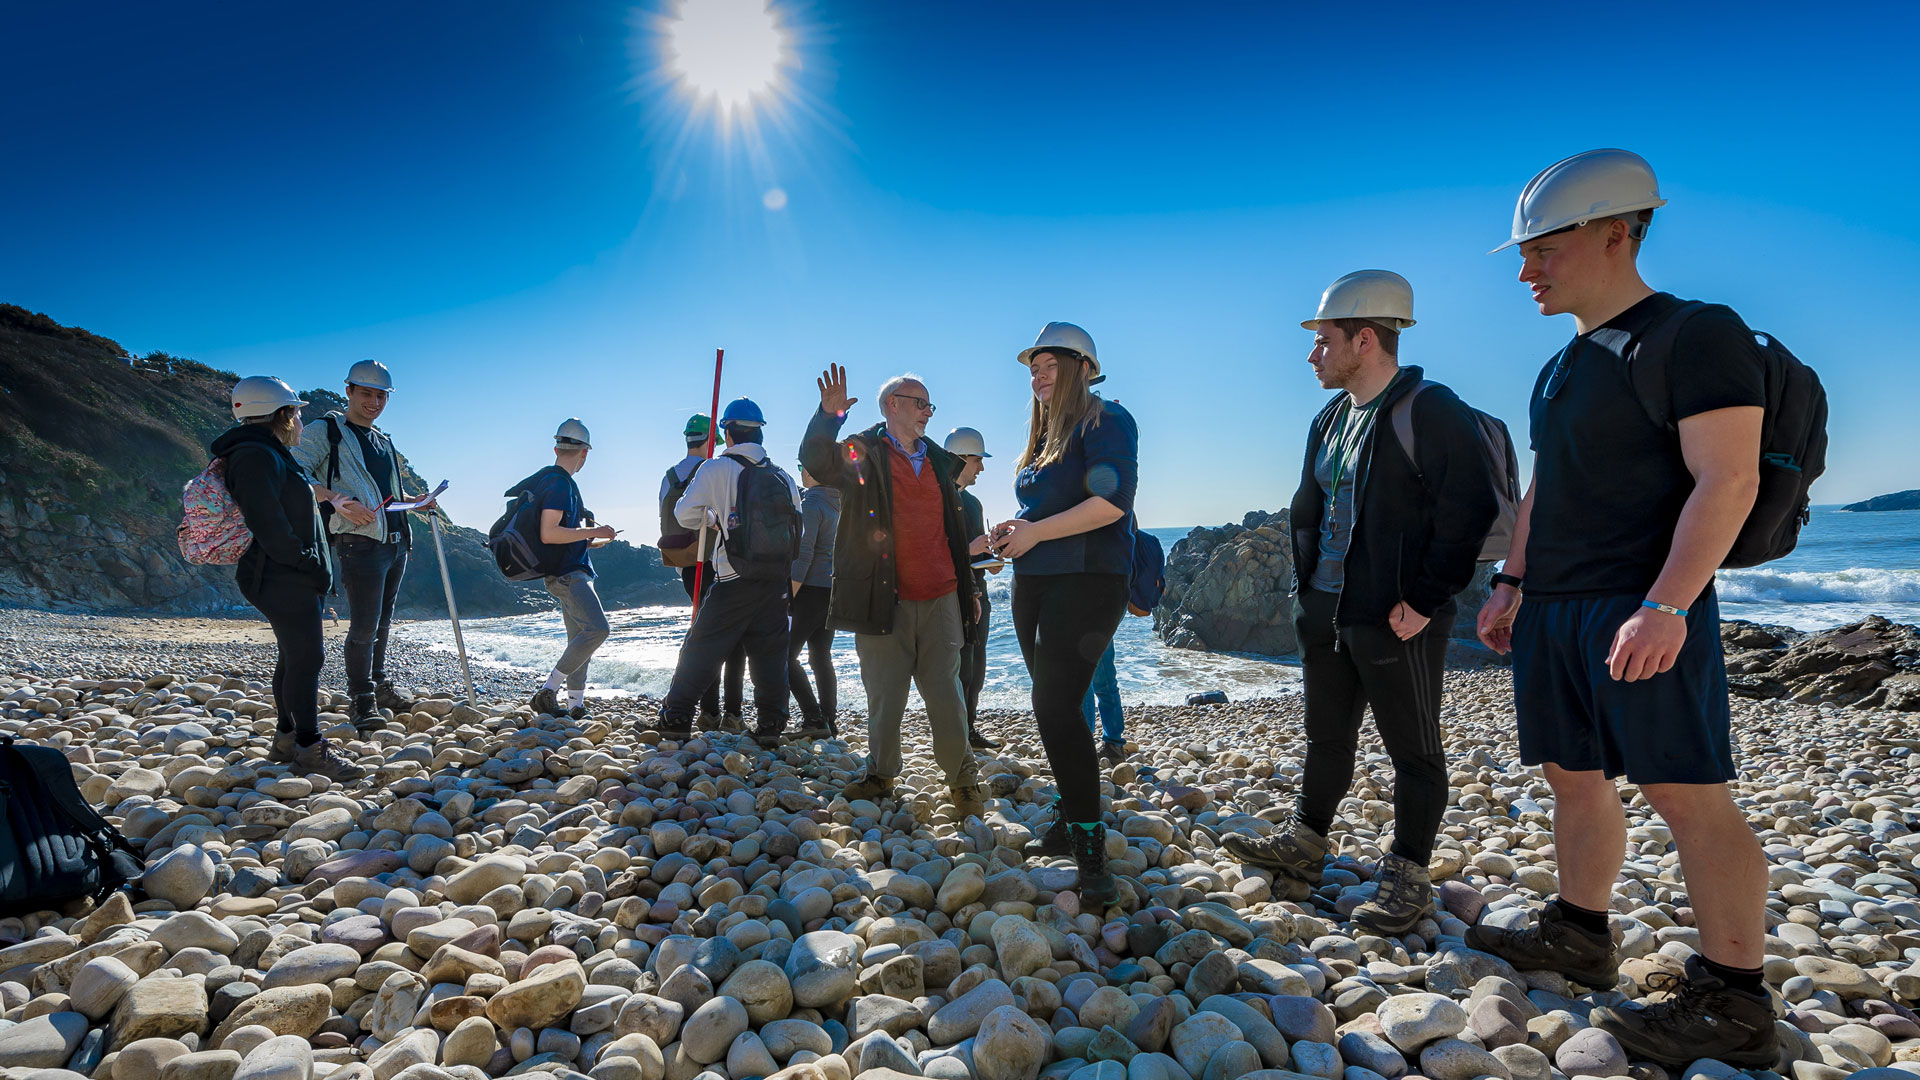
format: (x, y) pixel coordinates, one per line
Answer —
(508, 205)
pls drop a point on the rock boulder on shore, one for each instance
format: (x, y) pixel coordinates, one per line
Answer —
(1870, 664)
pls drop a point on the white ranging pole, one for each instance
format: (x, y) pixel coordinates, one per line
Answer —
(453, 612)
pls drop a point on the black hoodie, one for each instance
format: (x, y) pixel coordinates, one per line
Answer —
(275, 497)
(1417, 532)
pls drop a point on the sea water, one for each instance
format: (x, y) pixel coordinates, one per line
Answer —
(1847, 566)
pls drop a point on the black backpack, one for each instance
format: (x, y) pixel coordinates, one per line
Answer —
(1793, 436)
(763, 532)
(55, 848)
(1503, 465)
(515, 538)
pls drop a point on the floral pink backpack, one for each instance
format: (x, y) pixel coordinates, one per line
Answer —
(212, 532)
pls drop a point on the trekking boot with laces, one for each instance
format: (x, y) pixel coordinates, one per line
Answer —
(387, 696)
(1403, 898)
(1096, 884)
(1050, 841)
(1112, 753)
(812, 728)
(1704, 1018)
(677, 730)
(769, 736)
(546, 701)
(284, 748)
(1553, 944)
(366, 715)
(579, 712)
(979, 741)
(733, 721)
(968, 800)
(870, 787)
(1291, 850)
(322, 759)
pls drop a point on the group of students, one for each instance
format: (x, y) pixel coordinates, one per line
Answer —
(1617, 664)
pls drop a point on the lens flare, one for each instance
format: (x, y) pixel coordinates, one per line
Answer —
(730, 51)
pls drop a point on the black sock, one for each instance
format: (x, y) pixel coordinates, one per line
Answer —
(305, 739)
(1593, 922)
(1747, 980)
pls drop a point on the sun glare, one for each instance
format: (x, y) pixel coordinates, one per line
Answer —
(728, 50)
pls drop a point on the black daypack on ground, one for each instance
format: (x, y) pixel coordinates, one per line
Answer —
(55, 848)
(1502, 464)
(1793, 436)
(763, 532)
(515, 538)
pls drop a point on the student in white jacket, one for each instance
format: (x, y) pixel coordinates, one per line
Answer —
(748, 603)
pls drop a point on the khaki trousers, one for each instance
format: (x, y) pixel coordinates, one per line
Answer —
(924, 650)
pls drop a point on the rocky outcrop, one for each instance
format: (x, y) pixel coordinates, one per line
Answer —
(1228, 590)
(94, 448)
(1899, 500)
(1871, 664)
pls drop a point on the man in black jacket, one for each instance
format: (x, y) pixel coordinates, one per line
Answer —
(1382, 540)
(902, 578)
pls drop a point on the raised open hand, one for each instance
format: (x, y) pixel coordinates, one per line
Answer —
(833, 390)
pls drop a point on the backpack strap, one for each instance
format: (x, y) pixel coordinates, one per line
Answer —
(333, 449)
(1647, 364)
(1402, 416)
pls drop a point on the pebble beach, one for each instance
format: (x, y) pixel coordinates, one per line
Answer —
(515, 894)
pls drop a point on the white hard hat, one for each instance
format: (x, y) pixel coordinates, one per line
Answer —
(572, 433)
(371, 374)
(1380, 295)
(966, 441)
(1065, 337)
(1582, 188)
(262, 395)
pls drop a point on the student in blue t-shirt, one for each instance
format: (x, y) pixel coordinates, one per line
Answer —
(565, 527)
(1072, 548)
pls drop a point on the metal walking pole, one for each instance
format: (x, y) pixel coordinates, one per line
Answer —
(453, 612)
(713, 427)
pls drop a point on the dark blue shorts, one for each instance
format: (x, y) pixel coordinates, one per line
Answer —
(1670, 729)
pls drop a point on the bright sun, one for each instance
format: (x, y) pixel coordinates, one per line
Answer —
(729, 50)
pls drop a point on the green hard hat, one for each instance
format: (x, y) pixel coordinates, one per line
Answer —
(698, 424)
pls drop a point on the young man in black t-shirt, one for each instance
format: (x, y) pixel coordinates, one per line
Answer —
(1617, 661)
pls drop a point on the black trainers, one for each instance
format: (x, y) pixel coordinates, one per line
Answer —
(769, 738)
(979, 741)
(579, 712)
(1554, 944)
(387, 696)
(677, 730)
(546, 701)
(1703, 1018)
(1096, 885)
(1292, 850)
(366, 715)
(1403, 897)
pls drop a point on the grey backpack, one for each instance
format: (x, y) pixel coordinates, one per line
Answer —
(1502, 464)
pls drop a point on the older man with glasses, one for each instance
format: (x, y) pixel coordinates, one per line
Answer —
(902, 580)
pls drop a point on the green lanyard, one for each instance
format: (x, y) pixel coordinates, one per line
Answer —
(1365, 412)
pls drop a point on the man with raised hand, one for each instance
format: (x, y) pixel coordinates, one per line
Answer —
(356, 469)
(1385, 532)
(1617, 667)
(902, 578)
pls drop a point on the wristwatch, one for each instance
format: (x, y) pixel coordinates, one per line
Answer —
(1506, 579)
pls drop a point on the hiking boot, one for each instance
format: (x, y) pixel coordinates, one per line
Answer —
(813, 728)
(284, 748)
(769, 737)
(1112, 753)
(870, 787)
(546, 701)
(968, 801)
(388, 697)
(1291, 850)
(1553, 944)
(1703, 1018)
(1096, 885)
(677, 730)
(322, 759)
(979, 741)
(733, 721)
(366, 715)
(579, 712)
(709, 721)
(1403, 898)
(1050, 841)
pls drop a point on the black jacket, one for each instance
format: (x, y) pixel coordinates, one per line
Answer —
(275, 497)
(865, 590)
(1417, 532)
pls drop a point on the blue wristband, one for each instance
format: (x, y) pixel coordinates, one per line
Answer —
(1668, 608)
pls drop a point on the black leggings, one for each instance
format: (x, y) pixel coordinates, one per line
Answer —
(973, 656)
(811, 631)
(292, 607)
(1401, 681)
(1064, 623)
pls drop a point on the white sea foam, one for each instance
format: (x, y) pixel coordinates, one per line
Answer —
(1858, 585)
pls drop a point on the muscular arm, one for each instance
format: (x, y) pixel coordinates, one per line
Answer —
(1722, 451)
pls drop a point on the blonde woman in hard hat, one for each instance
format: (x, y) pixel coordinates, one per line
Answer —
(1072, 549)
(1617, 666)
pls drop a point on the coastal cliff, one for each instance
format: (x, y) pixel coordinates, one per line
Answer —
(94, 448)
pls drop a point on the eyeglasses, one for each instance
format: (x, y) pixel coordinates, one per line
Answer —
(919, 403)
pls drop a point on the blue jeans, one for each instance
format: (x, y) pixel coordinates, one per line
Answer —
(1106, 692)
